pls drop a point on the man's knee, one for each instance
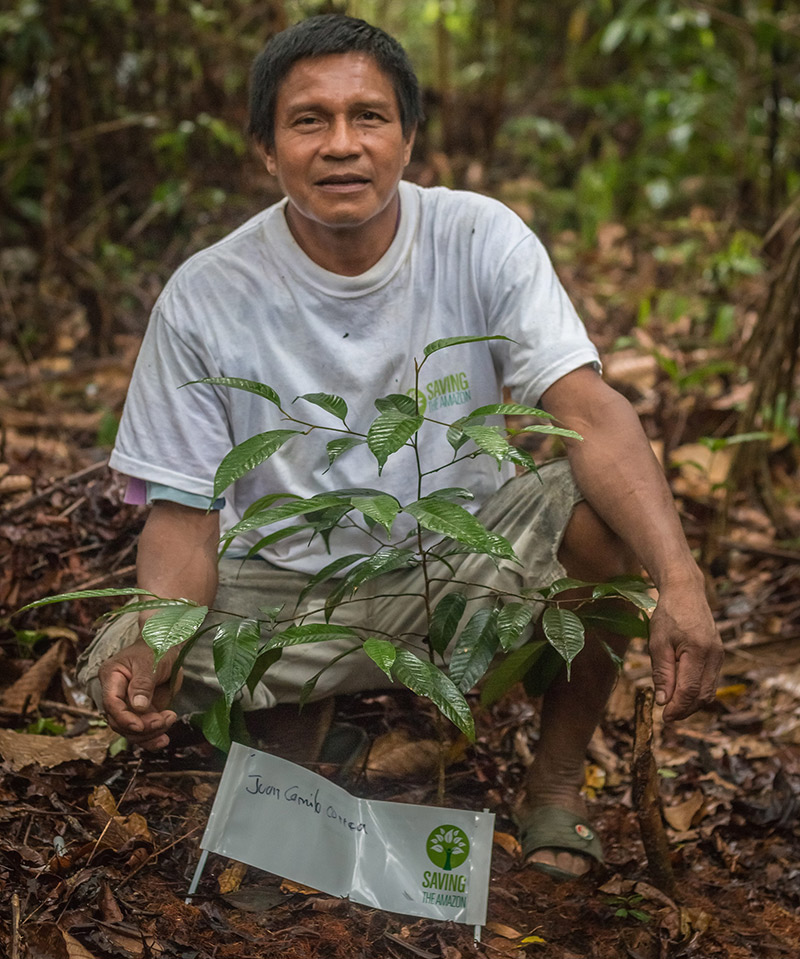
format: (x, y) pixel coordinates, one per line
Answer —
(592, 551)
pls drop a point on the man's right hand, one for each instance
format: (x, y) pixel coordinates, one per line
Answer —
(136, 697)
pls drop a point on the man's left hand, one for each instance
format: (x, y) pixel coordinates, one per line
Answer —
(686, 652)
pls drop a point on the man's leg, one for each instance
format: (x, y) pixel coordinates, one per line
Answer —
(572, 709)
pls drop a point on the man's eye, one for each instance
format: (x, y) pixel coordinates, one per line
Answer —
(370, 115)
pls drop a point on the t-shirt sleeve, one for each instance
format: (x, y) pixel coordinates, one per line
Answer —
(172, 434)
(529, 305)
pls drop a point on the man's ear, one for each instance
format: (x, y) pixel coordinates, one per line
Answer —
(267, 158)
(409, 145)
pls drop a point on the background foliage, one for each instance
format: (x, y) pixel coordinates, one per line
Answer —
(122, 149)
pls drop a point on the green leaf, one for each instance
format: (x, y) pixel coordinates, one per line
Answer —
(382, 653)
(237, 383)
(260, 504)
(86, 594)
(620, 621)
(489, 440)
(275, 514)
(511, 622)
(146, 605)
(454, 521)
(455, 436)
(327, 572)
(509, 409)
(451, 703)
(474, 649)
(562, 586)
(324, 521)
(632, 588)
(271, 613)
(311, 633)
(456, 340)
(382, 508)
(215, 724)
(445, 619)
(266, 658)
(400, 402)
(276, 537)
(336, 447)
(521, 458)
(425, 679)
(328, 402)
(451, 493)
(564, 632)
(550, 431)
(389, 432)
(413, 672)
(510, 671)
(235, 648)
(247, 455)
(171, 627)
(384, 561)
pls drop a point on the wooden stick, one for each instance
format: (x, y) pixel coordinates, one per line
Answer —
(646, 799)
(53, 706)
(15, 927)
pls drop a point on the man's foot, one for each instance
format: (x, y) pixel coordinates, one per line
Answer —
(557, 838)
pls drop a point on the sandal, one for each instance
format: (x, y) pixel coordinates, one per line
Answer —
(554, 827)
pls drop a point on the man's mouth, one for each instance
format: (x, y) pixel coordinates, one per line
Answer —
(343, 179)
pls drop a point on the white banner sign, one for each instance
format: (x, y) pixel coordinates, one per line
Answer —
(419, 860)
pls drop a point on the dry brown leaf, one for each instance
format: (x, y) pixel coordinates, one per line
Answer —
(632, 368)
(109, 905)
(703, 472)
(45, 940)
(507, 932)
(204, 792)
(617, 886)
(395, 756)
(22, 749)
(508, 842)
(503, 946)
(646, 891)
(75, 950)
(15, 484)
(22, 445)
(686, 814)
(33, 683)
(231, 878)
(102, 798)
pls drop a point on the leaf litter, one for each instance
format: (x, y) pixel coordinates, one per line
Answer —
(97, 846)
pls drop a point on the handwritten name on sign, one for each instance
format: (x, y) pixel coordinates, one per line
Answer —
(292, 794)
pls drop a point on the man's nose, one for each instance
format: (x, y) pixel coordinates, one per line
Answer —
(342, 140)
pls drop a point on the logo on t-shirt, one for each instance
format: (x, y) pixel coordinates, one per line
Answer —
(450, 390)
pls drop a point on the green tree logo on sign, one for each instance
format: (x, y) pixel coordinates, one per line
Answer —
(447, 847)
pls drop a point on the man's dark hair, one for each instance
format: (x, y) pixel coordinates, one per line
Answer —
(324, 36)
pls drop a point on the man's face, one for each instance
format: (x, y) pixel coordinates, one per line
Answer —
(339, 148)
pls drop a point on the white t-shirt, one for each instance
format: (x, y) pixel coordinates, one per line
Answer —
(255, 306)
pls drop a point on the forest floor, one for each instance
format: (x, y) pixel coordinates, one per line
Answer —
(98, 844)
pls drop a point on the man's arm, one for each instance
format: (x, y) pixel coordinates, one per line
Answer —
(621, 479)
(177, 558)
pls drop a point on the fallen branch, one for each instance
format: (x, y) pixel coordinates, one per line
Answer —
(646, 799)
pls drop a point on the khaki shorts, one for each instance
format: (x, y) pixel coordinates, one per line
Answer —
(530, 511)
